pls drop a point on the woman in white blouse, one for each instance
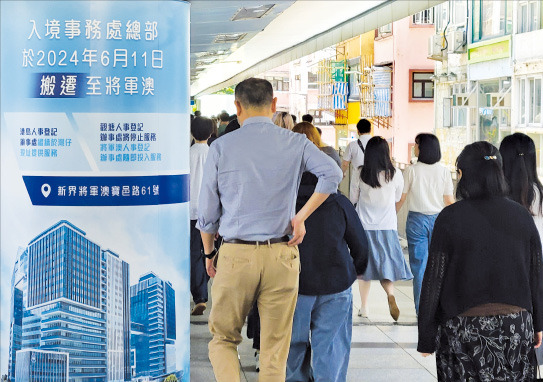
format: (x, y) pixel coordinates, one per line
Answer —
(430, 189)
(377, 191)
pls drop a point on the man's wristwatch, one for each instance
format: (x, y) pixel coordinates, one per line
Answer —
(212, 254)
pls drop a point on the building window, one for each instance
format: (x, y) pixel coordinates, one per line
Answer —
(494, 109)
(458, 15)
(354, 80)
(422, 86)
(279, 83)
(529, 16)
(312, 80)
(459, 116)
(522, 99)
(535, 101)
(530, 102)
(491, 19)
(384, 31)
(425, 17)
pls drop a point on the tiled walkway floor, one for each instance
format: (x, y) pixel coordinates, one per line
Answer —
(381, 350)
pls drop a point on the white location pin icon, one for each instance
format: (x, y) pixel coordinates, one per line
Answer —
(45, 189)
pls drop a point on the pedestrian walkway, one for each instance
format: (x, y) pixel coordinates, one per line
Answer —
(381, 349)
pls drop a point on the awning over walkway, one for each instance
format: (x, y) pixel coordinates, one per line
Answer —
(302, 28)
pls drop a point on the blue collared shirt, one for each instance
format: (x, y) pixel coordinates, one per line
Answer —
(251, 178)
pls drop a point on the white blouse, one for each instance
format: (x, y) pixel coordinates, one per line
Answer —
(426, 185)
(376, 207)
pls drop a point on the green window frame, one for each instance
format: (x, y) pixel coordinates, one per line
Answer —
(484, 16)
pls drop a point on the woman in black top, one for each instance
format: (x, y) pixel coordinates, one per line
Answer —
(481, 306)
(333, 253)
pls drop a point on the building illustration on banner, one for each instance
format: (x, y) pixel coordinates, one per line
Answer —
(74, 315)
(153, 331)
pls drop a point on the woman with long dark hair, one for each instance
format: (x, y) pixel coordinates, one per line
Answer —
(481, 304)
(379, 189)
(430, 188)
(520, 170)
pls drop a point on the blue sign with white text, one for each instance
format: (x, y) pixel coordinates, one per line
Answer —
(107, 190)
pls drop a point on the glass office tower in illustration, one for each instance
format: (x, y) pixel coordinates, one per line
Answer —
(152, 311)
(71, 297)
(117, 317)
(18, 299)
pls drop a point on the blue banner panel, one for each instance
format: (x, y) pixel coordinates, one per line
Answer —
(107, 190)
(94, 175)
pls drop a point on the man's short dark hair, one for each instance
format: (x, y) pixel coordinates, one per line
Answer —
(201, 128)
(429, 149)
(307, 118)
(224, 117)
(197, 113)
(254, 92)
(363, 126)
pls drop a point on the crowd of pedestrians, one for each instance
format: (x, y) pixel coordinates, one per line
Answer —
(284, 246)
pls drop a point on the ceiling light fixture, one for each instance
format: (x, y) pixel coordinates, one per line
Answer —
(250, 13)
(211, 53)
(228, 37)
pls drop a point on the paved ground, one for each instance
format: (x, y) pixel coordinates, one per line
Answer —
(381, 350)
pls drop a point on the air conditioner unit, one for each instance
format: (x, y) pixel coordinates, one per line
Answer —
(435, 46)
(457, 41)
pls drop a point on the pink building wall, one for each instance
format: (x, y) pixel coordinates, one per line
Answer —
(283, 100)
(406, 49)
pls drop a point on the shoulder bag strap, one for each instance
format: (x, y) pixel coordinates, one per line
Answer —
(361, 147)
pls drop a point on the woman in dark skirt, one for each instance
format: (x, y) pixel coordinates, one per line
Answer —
(481, 307)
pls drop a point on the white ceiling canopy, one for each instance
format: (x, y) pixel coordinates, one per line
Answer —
(218, 28)
(292, 29)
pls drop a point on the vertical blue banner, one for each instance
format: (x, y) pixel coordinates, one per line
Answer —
(94, 188)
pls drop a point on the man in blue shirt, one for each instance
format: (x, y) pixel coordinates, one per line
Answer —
(248, 196)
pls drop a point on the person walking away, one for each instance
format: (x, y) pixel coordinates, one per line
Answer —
(307, 118)
(379, 189)
(245, 197)
(354, 154)
(232, 125)
(284, 120)
(313, 135)
(520, 169)
(334, 251)
(224, 118)
(481, 304)
(429, 187)
(214, 133)
(201, 129)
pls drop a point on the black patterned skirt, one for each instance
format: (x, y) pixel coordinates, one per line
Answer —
(487, 349)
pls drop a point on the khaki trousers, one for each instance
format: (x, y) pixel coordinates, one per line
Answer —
(245, 273)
